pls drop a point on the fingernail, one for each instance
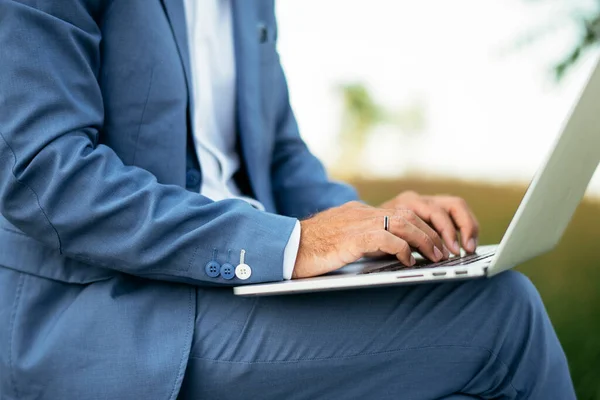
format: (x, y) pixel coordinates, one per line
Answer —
(455, 247)
(471, 245)
(437, 253)
(412, 261)
(446, 251)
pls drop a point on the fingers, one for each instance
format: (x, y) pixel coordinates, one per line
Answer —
(464, 219)
(403, 224)
(383, 241)
(341, 235)
(445, 214)
(420, 224)
(417, 234)
(441, 222)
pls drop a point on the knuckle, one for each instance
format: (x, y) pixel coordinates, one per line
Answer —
(399, 211)
(427, 241)
(362, 240)
(440, 212)
(460, 201)
(403, 247)
(450, 230)
(377, 221)
(409, 215)
(359, 214)
(430, 239)
(364, 243)
(447, 224)
(400, 222)
(379, 236)
(370, 237)
(374, 240)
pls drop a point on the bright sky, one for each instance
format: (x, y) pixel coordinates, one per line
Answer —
(492, 106)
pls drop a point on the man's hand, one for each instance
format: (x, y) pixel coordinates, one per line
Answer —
(342, 235)
(445, 214)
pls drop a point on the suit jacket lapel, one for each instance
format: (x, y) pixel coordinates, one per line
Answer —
(176, 14)
(175, 11)
(248, 91)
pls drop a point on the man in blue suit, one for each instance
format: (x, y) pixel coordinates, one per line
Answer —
(150, 160)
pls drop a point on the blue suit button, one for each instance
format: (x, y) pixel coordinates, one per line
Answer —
(192, 177)
(227, 271)
(212, 269)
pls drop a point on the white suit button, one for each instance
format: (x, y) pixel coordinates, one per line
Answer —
(243, 271)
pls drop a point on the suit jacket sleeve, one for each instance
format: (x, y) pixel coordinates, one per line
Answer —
(300, 183)
(59, 186)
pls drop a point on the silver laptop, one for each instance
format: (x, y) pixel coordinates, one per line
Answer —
(536, 228)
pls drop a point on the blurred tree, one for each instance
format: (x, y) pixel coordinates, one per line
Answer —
(590, 34)
(361, 114)
(586, 16)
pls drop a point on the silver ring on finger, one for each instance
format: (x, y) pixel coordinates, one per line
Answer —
(386, 223)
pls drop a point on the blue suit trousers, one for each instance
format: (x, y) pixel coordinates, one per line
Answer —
(488, 339)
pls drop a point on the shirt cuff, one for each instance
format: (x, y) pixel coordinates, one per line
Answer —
(290, 252)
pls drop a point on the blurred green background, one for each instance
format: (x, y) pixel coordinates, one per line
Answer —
(568, 278)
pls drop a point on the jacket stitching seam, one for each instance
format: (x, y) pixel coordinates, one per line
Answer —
(13, 319)
(184, 353)
(32, 191)
(193, 258)
(137, 135)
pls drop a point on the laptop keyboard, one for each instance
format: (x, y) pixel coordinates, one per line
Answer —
(424, 263)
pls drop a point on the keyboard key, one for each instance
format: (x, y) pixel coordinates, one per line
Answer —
(424, 263)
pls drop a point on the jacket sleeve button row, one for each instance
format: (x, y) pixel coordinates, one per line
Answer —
(213, 269)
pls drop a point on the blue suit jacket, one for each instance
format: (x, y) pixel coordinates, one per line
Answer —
(101, 220)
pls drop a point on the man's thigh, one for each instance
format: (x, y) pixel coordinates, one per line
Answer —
(411, 342)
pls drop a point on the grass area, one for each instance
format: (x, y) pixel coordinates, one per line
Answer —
(567, 278)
